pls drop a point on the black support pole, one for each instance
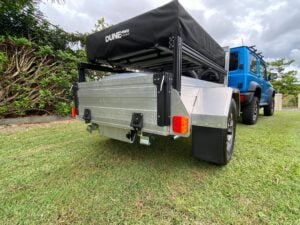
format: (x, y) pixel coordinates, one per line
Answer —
(177, 63)
(81, 74)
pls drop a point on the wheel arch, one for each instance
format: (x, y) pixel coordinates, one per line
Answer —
(271, 92)
(236, 98)
(257, 92)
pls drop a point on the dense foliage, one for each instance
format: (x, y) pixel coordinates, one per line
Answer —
(286, 83)
(34, 78)
(38, 63)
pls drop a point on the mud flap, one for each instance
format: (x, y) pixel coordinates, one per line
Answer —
(209, 144)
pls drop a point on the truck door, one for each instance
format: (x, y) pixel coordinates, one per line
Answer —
(254, 74)
(264, 82)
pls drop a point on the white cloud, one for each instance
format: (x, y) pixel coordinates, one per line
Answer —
(68, 16)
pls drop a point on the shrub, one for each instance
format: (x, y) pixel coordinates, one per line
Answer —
(290, 101)
(35, 79)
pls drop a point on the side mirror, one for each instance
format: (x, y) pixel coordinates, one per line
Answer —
(273, 76)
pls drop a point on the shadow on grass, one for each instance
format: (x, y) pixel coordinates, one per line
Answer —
(164, 153)
(261, 117)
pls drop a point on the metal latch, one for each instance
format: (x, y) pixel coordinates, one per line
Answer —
(87, 115)
(162, 83)
(137, 121)
(137, 125)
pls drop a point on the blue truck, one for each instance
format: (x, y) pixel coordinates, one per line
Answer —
(248, 73)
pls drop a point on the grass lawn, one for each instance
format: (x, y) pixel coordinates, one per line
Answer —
(58, 173)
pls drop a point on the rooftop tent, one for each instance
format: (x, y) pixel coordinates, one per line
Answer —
(144, 41)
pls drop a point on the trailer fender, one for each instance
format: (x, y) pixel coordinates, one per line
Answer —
(212, 105)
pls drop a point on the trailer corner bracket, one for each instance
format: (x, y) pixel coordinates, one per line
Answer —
(163, 82)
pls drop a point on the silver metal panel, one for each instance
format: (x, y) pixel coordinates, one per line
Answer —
(211, 107)
(227, 61)
(187, 81)
(113, 99)
(120, 80)
(115, 133)
(207, 103)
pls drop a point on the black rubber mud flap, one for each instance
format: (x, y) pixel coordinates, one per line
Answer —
(208, 144)
(216, 145)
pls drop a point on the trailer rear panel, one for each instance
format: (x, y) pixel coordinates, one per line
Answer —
(114, 99)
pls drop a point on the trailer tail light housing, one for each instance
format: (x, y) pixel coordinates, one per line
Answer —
(180, 124)
(242, 98)
(73, 112)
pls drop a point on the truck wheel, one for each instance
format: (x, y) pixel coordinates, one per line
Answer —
(250, 112)
(269, 109)
(213, 144)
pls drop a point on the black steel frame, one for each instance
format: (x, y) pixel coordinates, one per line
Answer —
(177, 63)
(177, 58)
(82, 67)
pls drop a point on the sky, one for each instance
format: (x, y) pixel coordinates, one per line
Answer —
(272, 25)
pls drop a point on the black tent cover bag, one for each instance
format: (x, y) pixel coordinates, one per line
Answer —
(151, 28)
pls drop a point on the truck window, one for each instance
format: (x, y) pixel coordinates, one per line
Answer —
(253, 63)
(263, 71)
(234, 61)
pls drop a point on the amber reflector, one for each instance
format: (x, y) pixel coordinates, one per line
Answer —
(180, 124)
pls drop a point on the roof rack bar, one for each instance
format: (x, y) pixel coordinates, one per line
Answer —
(254, 50)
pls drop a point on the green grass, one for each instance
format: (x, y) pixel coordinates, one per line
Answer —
(59, 174)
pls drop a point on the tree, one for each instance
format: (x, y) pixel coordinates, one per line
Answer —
(18, 18)
(22, 18)
(100, 25)
(35, 79)
(286, 82)
(37, 63)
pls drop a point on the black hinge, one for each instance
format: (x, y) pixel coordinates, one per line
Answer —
(163, 83)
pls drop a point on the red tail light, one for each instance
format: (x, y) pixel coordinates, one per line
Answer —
(73, 112)
(180, 124)
(242, 98)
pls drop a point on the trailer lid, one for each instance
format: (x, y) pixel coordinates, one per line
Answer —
(146, 35)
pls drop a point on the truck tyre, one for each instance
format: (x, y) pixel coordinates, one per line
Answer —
(250, 112)
(269, 109)
(215, 145)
